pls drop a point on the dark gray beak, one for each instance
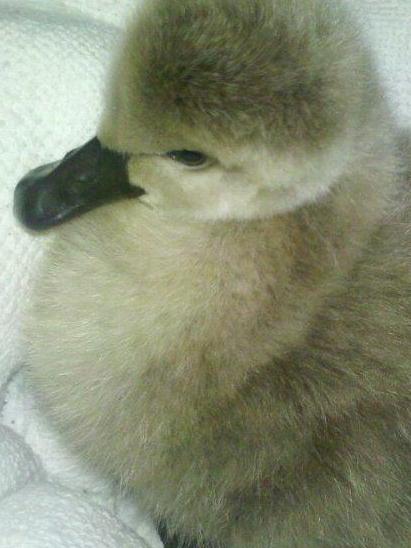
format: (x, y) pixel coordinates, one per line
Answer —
(85, 178)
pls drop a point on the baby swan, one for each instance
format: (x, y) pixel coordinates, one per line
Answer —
(232, 342)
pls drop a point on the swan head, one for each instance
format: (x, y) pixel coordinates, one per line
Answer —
(219, 110)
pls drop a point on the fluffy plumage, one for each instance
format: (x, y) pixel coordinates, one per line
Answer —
(235, 346)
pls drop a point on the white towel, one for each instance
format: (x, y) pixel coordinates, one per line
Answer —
(45, 515)
(37, 512)
(53, 58)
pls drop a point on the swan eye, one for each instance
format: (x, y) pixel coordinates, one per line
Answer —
(189, 158)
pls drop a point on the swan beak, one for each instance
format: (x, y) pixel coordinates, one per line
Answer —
(85, 178)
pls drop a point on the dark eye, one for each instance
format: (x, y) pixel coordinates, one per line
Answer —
(188, 157)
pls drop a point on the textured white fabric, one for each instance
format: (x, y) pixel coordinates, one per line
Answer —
(37, 512)
(388, 26)
(53, 58)
(18, 464)
(45, 515)
(109, 11)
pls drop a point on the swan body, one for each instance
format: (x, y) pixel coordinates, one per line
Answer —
(234, 345)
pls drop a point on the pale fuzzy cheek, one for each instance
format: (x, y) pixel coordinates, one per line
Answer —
(292, 197)
(255, 198)
(185, 193)
(247, 203)
(237, 203)
(260, 204)
(208, 207)
(211, 195)
(271, 186)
